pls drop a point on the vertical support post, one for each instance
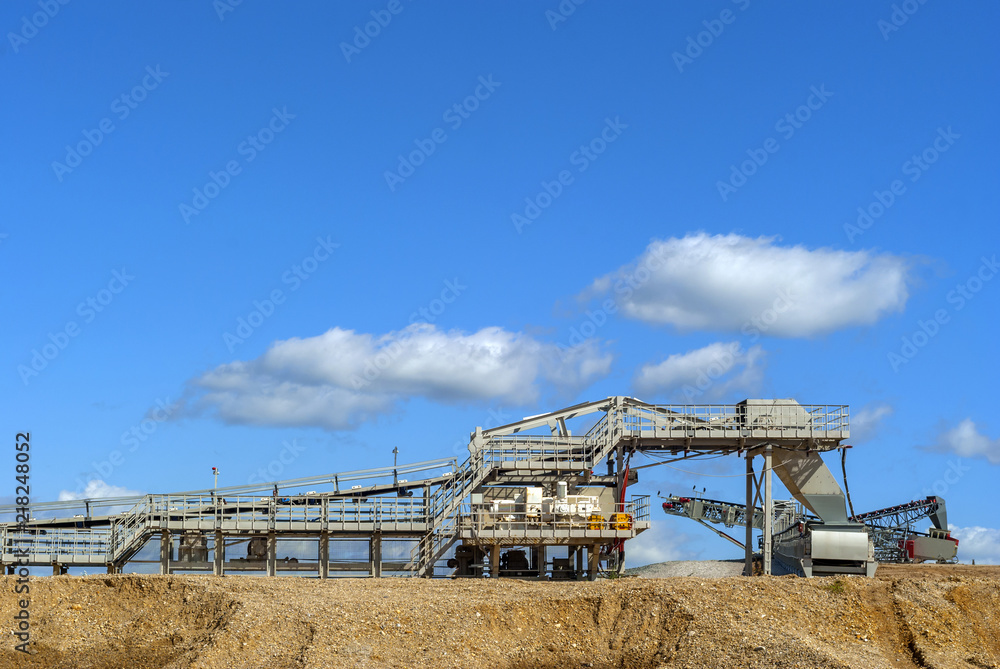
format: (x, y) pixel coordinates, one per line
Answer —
(375, 553)
(324, 555)
(748, 556)
(112, 569)
(579, 562)
(495, 561)
(768, 525)
(540, 556)
(219, 555)
(594, 559)
(272, 554)
(56, 571)
(165, 552)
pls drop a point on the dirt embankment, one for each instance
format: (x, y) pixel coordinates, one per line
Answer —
(945, 618)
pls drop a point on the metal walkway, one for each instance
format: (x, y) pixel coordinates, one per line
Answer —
(438, 511)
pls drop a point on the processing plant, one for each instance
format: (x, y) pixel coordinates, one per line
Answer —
(532, 500)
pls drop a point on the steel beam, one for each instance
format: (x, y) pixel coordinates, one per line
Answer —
(219, 554)
(165, 552)
(748, 550)
(768, 512)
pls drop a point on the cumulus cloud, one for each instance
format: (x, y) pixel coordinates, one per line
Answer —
(866, 421)
(715, 371)
(341, 378)
(755, 286)
(966, 440)
(981, 544)
(96, 489)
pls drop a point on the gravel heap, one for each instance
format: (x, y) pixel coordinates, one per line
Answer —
(946, 618)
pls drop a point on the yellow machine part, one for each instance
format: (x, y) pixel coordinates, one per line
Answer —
(595, 521)
(620, 521)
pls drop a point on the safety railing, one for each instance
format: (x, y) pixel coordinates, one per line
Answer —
(738, 420)
(65, 543)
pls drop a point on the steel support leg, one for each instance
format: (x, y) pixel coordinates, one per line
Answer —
(272, 554)
(768, 526)
(165, 552)
(324, 555)
(748, 555)
(219, 555)
(594, 556)
(540, 556)
(579, 562)
(375, 552)
(494, 561)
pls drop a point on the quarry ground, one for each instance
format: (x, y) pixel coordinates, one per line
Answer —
(925, 616)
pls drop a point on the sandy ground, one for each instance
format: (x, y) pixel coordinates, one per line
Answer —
(906, 617)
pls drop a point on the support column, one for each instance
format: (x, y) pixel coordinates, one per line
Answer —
(768, 525)
(579, 562)
(219, 555)
(540, 557)
(594, 557)
(272, 554)
(56, 569)
(324, 555)
(495, 561)
(375, 553)
(112, 569)
(165, 552)
(748, 556)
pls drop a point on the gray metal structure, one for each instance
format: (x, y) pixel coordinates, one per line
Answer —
(451, 511)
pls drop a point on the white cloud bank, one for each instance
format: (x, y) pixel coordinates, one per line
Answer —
(967, 441)
(981, 544)
(712, 372)
(341, 378)
(754, 286)
(97, 489)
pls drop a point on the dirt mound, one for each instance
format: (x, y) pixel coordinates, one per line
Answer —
(183, 622)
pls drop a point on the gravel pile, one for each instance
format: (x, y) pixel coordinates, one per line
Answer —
(947, 619)
(698, 568)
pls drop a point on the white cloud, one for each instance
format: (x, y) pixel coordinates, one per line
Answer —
(981, 544)
(341, 378)
(865, 422)
(96, 489)
(755, 286)
(966, 440)
(715, 371)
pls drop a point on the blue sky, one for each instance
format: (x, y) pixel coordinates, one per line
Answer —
(232, 214)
